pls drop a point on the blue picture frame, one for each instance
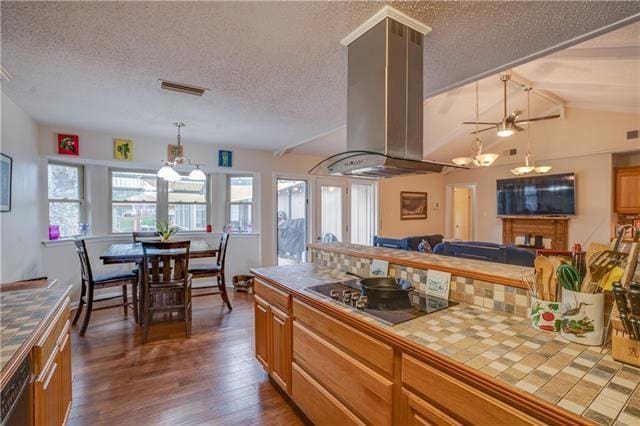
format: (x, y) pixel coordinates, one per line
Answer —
(225, 158)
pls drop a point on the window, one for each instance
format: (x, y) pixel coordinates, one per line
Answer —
(65, 193)
(240, 203)
(362, 213)
(133, 201)
(188, 204)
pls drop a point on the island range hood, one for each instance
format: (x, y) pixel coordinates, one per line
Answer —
(384, 100)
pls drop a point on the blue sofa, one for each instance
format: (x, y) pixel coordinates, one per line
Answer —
(407, 243)
(490, 252)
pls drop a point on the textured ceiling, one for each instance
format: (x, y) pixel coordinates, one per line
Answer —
(276, 70)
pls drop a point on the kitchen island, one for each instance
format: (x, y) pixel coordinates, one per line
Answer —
(465, 364)
(35, 352)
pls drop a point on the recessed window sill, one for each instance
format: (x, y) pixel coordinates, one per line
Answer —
(121, 238)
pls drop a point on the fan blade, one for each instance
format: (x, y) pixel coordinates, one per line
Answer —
(480, 122)
(483, 130)
(518, 128)
(513, 116)
(547, 117)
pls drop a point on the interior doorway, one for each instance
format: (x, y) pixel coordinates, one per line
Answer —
(461, 216)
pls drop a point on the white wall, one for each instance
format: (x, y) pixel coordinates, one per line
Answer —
(593, 197)
(19, 228)
(390, 223)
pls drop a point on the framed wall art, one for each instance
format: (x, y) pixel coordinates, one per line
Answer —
(6, 170)
(123, 149)
(173, 152)
(413, 205)
(68, 145)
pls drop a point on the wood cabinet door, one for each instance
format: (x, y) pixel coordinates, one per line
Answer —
(261, 309)
(281, 348)
(415, 411)
(627, 198)
(46, 397)
(64, 361)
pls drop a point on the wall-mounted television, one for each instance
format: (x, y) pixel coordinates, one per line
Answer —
(537, 195)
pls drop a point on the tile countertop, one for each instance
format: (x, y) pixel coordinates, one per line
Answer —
(495, 272)
(581, 379)
(24, 314)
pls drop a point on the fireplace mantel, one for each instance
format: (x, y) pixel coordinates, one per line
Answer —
(554, 227)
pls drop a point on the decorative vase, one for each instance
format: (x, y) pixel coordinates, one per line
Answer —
(54, 232)
(583, 317)
(545, 315)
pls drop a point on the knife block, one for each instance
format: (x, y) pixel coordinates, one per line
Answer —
(623, 347)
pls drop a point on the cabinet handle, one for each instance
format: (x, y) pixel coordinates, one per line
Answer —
(54, 367)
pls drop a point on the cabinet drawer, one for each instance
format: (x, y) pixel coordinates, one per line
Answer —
(46, 346)
(368, 349)
(367, 393)
(318, 404)
(457, 398)
(416, 411)
(272, 295)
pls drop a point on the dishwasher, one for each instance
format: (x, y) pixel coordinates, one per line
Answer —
(16, 397)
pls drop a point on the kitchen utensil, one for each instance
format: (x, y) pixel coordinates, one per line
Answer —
(619, 294)
(632, 261)
(633, 296)
(553, 280)
(568, 277)
(635, 325)
(601, 265)
(544, 270)
(592, 249)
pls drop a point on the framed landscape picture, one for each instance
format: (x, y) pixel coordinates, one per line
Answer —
(6, 165)
(123, 149)
(413, 205)
(173, 152)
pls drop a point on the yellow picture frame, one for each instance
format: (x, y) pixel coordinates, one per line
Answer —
(123, 149)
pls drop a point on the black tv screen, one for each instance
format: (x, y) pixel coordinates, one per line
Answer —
(537, 195)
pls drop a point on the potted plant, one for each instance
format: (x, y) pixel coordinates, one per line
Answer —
(165, 230)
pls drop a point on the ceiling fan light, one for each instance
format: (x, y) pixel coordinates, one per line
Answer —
(543, 169)
(504, 133)
(462, 161)
(485, 160)
(197, 174)
(168, 173)
(523, 170)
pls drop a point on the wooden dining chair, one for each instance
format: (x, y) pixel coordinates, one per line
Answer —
(92, 282)
(216, 269)
(166, 282)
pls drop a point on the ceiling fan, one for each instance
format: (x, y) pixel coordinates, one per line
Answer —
(510, 123)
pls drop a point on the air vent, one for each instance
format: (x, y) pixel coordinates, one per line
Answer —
(4, 74)
(509, 152)
(182, 88)
(632, 134)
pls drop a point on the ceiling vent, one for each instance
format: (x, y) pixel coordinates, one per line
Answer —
(182, 88)
(632, 134)
(509, 152)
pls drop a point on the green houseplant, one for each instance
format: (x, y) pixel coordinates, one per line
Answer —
(165, 230)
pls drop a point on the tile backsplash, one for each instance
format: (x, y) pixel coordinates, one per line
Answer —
(489, 295)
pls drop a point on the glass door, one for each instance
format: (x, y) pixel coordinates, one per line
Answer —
(291, 206)
(332, 205)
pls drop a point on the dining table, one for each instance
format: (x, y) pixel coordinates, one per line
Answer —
(132, 253)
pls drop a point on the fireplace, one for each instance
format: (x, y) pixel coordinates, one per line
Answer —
(554, 230)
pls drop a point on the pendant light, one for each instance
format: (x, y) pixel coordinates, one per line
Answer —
(529, 161)
(478, 158)
(168, 171)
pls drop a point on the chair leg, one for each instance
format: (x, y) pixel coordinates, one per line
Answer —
(81, 303)
(134, 296)
(147, 319)
(87, 315)
(223, 291)
(125, 300)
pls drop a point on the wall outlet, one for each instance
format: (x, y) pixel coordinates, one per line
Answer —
(436, 205)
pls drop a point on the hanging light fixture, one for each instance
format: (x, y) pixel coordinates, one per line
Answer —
(478, 158)
(529, 161)
(168, 171)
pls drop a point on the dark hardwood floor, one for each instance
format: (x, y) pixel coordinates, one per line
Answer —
(211, 378)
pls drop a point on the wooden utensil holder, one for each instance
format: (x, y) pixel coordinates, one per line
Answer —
(623, 347)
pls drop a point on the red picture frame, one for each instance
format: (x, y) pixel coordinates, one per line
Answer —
(68, 145)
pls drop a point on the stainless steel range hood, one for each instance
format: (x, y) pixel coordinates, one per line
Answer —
(384, 100)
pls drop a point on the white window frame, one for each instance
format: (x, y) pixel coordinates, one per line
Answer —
(251, 204)
(206, 203)
(158, 196)
(81, 192)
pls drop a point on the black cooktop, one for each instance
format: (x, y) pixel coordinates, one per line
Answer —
(413, 305)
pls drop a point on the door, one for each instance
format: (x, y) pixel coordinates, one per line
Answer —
(261, 309)
(332, 222)
(461, 213)
(292, 222)
(282, 347)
